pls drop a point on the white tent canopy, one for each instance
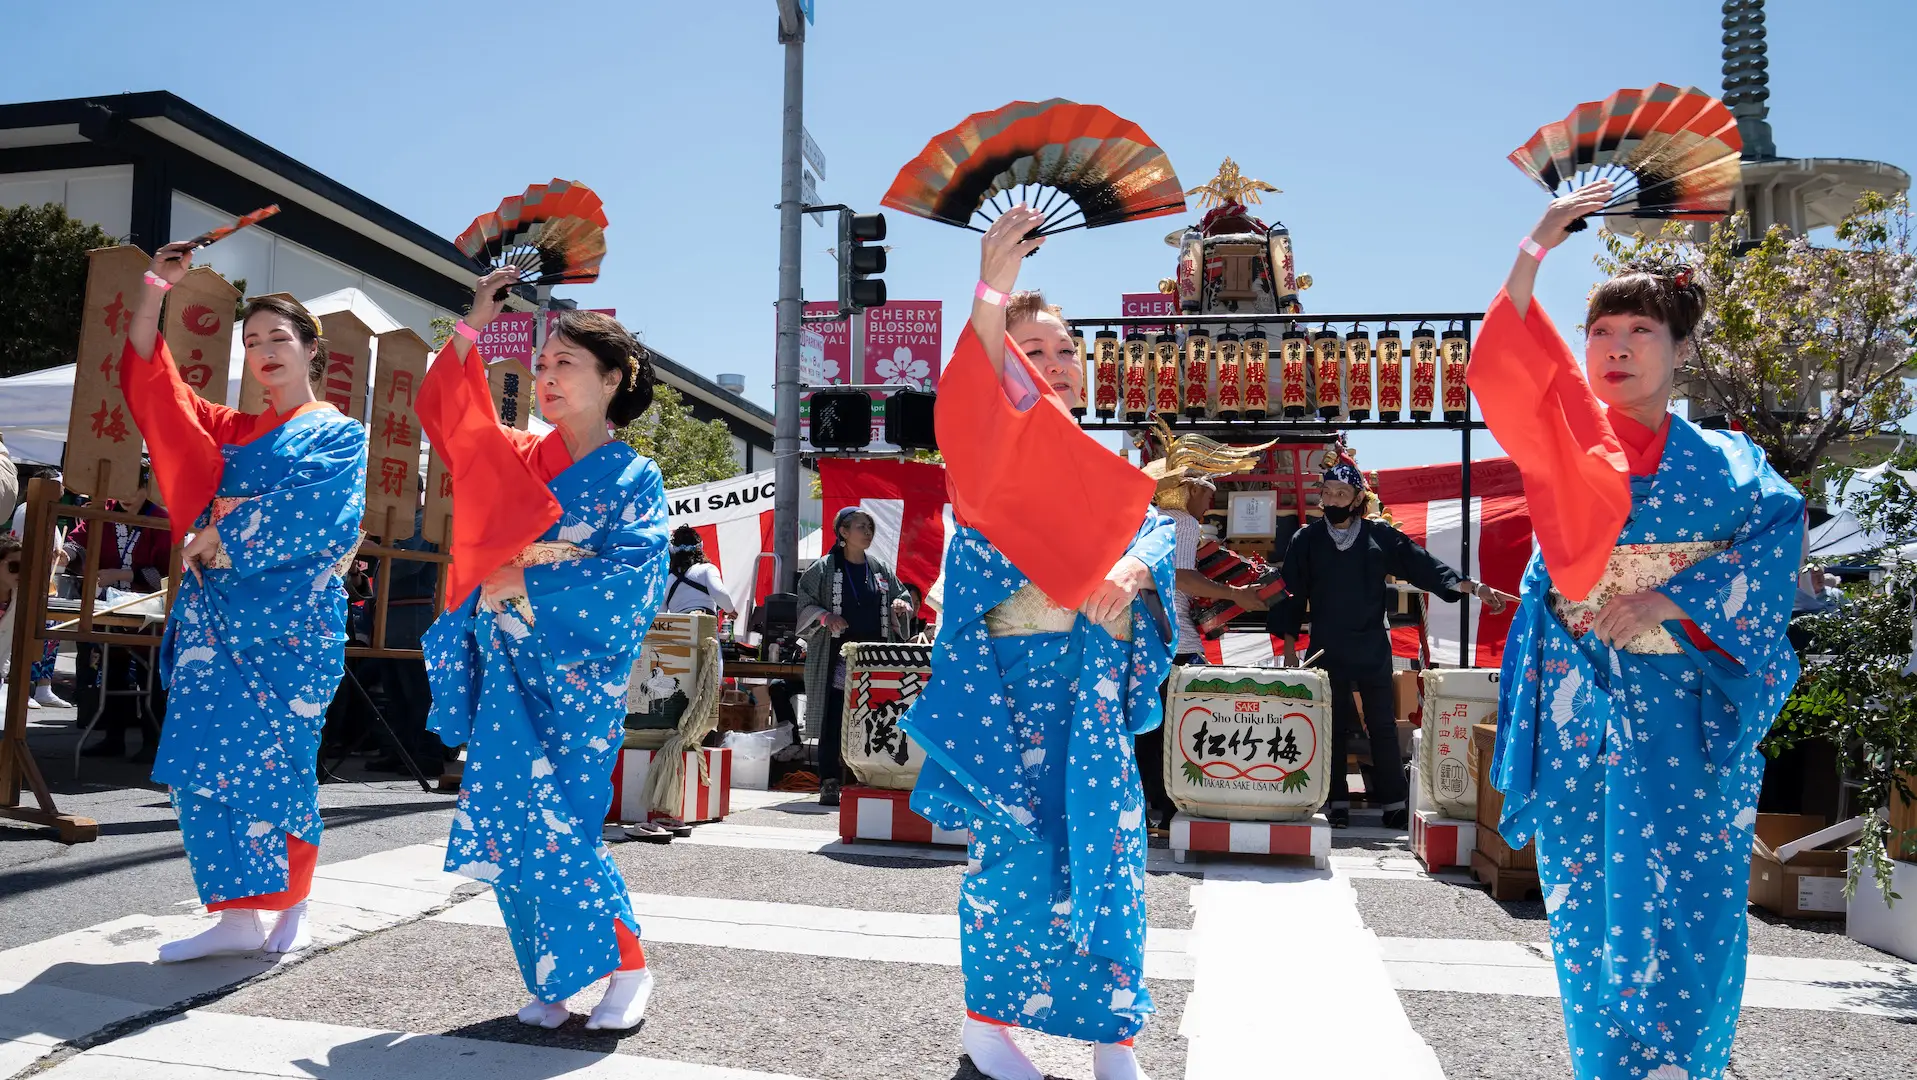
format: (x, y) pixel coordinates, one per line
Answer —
(35, 407)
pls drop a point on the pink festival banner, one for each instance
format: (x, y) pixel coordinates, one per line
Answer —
(904, 344)
(510, 336)
(1135, 305)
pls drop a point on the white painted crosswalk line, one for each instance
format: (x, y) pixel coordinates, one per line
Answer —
(1524, 969)
(69, 986)
(805, 930)
(204, 1046)
(1282, 946)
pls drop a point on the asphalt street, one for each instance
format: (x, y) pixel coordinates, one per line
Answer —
(781, 953)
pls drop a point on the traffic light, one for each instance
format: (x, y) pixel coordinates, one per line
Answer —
(858, 290)
(908, 420)
(841, 419)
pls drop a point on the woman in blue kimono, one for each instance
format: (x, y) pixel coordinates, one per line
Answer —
(1051, 647)
(1646, 663)
(558, 565)
(268, 506)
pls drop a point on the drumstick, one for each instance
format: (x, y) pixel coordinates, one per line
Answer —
(216, 235)
(1312, 657)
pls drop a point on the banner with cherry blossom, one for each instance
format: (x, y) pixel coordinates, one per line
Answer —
(904, 345)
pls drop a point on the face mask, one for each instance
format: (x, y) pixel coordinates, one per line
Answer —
(1337, 515)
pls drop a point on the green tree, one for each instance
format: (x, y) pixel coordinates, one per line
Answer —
(442, 328)
(43, 282)
(688, 452)
(1806, 349)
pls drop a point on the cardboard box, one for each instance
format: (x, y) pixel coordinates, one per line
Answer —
(1810, 885)
(1876, 923)
(1405, 687)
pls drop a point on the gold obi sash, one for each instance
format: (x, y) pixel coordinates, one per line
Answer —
(1030, 611)
(1635, 568)
(537, 553)
(223, 507)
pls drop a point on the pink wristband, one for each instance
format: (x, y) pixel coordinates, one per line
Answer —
(466, 332)
(990, 295)
(157, 281)
(1532, 248)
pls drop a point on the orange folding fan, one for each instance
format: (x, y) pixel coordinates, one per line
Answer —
(1672, 152)
(1081, 165)
(553, 232)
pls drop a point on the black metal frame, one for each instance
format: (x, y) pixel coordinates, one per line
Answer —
(1312, 428)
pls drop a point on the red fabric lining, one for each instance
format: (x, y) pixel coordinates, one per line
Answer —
(501, 502)
(184, 432)
(1061, 507)
(632, 955)
(301, 858)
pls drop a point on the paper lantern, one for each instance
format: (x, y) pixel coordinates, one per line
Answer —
(1358, 374)
(1230, 385)
(1190, 271)
(1329, 353)
(1165, 376)
(1137, 392)
(1424, 371)
(1084, 373)
(1455, 348)
(1197, 373)
(1294, 364)
(1255, 360)
(1105, 364)
(1390, 375)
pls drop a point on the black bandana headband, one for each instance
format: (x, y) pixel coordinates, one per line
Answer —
(1344, 473)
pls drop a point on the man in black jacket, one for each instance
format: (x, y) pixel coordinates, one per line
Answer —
(1335, 571)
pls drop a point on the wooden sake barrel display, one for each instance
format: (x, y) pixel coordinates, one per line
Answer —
(881, 679)
(1455, 701)
(1510, 874)
(1248, 744)
(666, 674)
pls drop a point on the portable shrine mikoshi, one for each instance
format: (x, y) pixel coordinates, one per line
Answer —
(881, 681)
(1247, 761)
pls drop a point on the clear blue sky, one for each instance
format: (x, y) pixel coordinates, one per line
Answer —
(1386, 124)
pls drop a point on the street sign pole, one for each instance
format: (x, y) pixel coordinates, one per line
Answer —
(785, 394)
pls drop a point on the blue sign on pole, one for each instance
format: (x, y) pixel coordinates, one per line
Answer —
(806, 7)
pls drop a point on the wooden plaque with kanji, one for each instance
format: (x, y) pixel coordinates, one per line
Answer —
(392, 452)
(103, 445)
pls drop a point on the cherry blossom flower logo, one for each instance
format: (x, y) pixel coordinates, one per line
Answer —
(901, 367)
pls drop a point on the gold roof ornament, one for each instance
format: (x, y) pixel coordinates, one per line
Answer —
(1231, 186)
(1194, 457)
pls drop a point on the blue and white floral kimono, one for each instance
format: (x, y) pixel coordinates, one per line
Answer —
(1027, 725)
(1637, 769)
(253, 655)
(537, 693)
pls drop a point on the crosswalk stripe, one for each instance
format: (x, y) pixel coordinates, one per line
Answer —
(1525, 969)
(805, 930)
(1281, 943)
(205, 1045)
(72, 985)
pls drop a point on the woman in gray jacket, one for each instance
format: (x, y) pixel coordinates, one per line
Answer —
(848, 595)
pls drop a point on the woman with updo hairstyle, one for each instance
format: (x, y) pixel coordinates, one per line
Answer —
(1647, 660)
(268, 506)
(558, 566)
(1052, 643)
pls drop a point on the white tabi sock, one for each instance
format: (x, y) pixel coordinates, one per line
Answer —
(545, 1014)
(1111, 1061)
(625, 1002)
(993, 1052)
(290, 933)
(239, 930)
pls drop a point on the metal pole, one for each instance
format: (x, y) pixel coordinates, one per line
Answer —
(785, 394)
(1465, 652)
(858, 374)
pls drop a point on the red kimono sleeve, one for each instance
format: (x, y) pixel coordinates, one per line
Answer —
(500, 502)
(1537, 404)
(1061, 507)
(183, 433)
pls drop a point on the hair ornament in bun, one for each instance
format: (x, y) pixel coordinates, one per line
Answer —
(632, 369)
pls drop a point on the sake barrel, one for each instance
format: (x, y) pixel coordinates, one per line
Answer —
(665, 675)
(1455, 700)
(1248, 743)
(881, 679)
